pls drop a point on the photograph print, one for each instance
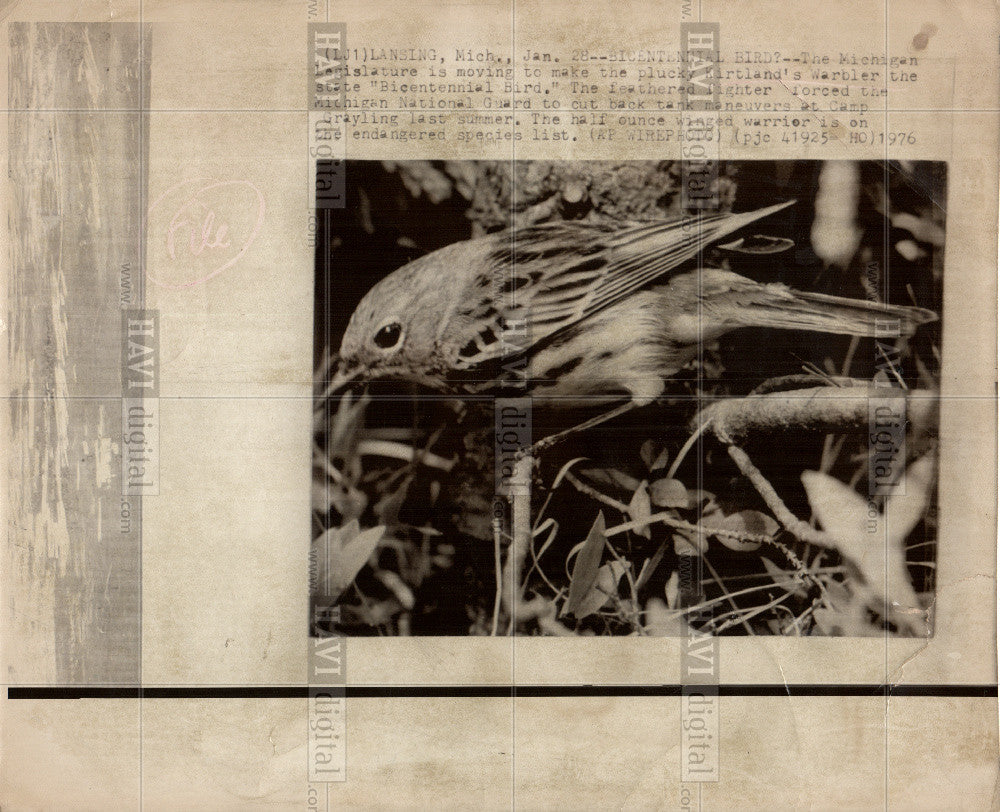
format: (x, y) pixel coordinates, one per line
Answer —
(570, 398)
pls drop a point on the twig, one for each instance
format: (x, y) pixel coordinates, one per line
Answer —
(797, 621)
(727, 595)
(498, 571)
(710, 602)
(583, 487)
(679, 524)
(402, 451)
(687, 447)
(798, 528)
(891, 365)
(536, 556)
(751, 613)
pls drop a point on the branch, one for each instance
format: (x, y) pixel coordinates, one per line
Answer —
(520, 507)
(821, 408)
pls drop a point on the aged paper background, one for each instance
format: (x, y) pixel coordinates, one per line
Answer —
(225, 540)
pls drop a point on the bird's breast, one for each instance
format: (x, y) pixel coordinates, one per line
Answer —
(616, 353)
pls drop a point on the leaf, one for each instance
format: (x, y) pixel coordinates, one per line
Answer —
(906, 506)
(875, 544)
(565, 470)
(654, 461)
(344, 427)
(648, 453)
(777, 573)
(749, 522)
(605, 587)
(672, 589)
(350, 502)
(387, 508)
(612, 477)
(586, 565)
(840, 510)
(391, 581)
(910, 251)
(687, 542)
(339, 554)
(649, 567)
(552, 536)
(640, 510)
(661, 461)
(669, 493)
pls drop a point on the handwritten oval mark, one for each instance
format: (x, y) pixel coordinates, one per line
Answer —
(213, 224)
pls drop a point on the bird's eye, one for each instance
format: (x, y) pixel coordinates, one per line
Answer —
(389, 335)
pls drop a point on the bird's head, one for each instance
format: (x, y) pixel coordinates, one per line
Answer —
(395, 331)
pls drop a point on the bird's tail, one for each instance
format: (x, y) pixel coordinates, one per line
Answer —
(818, 312)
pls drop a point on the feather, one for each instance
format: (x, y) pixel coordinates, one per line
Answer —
(556, 275)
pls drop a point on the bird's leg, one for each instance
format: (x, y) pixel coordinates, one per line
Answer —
(558, 437)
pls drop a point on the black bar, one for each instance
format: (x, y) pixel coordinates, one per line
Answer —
(492, 691)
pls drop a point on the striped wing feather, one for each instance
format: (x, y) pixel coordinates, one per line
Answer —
(559, 274)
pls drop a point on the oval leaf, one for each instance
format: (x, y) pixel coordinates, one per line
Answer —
(585, 567)
(648, 453)
(749, 522)
(669, 493)
(639, 509)
(605, 587)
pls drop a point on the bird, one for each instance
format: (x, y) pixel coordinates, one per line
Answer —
(572, 312)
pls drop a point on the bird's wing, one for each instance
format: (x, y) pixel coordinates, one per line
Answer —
(554, 276)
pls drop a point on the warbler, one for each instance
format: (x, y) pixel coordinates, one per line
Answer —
(597, 312)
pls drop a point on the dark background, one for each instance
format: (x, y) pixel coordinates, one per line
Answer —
(397, 212)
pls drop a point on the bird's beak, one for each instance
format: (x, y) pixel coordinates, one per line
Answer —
(342, 378)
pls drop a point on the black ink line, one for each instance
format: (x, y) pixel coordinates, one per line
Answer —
(984, 691)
